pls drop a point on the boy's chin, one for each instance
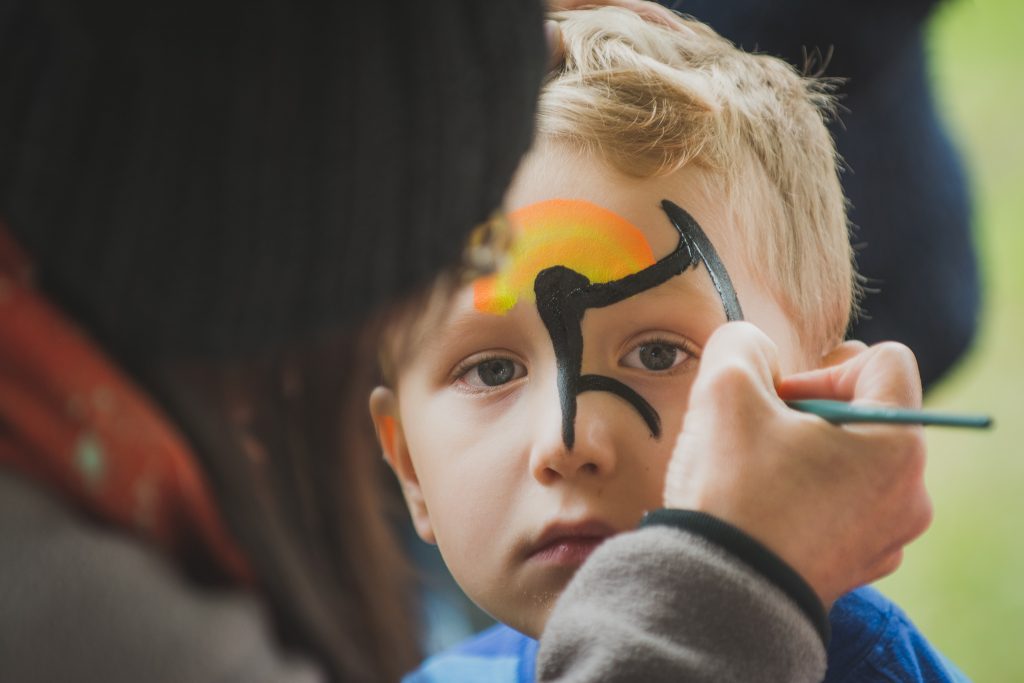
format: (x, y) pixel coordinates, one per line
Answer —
(530, 617)
(525, 605)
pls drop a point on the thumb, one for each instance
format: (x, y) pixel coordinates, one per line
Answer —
(737, 357)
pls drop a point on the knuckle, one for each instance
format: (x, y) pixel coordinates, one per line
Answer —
(737, 355)
(897, 355)
(728, 379)
(909, 453)
(925, 515)
(739, 333)
(915, 453)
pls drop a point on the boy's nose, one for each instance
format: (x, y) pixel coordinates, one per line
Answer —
(592, 455)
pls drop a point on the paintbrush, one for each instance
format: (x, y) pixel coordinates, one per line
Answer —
(839, 412)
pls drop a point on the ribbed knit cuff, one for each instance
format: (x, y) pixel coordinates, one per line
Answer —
(752, 553)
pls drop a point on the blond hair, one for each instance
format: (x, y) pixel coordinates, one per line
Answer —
(650, 99)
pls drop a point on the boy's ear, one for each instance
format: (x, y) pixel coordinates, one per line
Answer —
(384, 410)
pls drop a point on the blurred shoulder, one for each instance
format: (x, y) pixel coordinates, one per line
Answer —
(87, 603)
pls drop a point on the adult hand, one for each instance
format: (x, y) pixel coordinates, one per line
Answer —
(651, 11)
(837, 503)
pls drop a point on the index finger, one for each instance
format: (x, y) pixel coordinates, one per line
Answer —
(885, 374)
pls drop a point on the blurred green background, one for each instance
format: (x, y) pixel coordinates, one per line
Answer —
(963, 582)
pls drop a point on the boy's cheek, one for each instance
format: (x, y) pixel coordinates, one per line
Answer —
(671, 400)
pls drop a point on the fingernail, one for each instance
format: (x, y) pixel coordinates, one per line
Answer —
(553, 34)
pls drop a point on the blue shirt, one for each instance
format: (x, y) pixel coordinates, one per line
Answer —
(872, 640)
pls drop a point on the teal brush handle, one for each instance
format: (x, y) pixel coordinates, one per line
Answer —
(840, 412)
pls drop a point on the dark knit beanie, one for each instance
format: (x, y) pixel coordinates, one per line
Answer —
(222, 177)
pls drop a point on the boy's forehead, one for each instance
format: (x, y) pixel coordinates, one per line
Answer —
(556, 170)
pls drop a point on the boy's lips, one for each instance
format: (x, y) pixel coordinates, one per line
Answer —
(569, 543)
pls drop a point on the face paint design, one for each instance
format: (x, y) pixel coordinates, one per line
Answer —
(700, 246)
(592, 241)
(612, 268)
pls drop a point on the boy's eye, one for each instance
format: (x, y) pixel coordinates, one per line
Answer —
(655, 356)
(493, 372)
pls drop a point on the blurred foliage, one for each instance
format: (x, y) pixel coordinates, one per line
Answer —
(963, 583)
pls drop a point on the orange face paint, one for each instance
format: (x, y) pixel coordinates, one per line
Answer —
(386, 429)
(591, 240)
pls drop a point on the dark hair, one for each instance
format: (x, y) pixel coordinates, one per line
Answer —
(221, 176)
(220, 193)
(288, 446)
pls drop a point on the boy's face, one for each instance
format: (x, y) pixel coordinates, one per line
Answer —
(476, 427)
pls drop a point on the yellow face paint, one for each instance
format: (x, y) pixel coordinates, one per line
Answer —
(591, 240)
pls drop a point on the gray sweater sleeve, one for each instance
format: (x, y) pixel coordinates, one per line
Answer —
(663, 604)
(83, 603)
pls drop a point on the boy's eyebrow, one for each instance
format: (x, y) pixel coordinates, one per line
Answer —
(456, 323)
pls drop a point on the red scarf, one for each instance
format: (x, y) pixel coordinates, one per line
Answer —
(74, 423)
